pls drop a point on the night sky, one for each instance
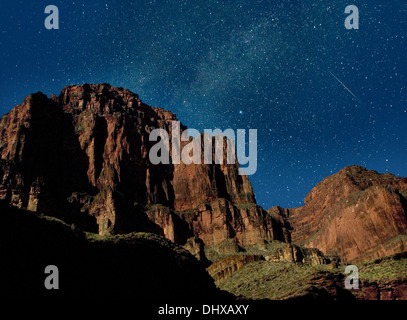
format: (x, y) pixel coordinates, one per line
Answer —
(267, 65)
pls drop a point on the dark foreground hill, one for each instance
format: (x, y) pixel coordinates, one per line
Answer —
(137, 266)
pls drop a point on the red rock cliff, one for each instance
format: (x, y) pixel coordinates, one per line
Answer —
(357, 214)
(83, 156)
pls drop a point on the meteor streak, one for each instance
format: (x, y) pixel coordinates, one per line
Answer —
(344, 86)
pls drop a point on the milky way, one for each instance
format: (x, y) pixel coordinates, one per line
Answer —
(262, 65)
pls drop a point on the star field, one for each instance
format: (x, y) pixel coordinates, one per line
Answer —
(271, 66)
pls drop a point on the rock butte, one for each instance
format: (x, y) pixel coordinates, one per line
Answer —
(357, 214)
(83, 157)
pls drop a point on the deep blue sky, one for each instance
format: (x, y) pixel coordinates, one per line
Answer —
(234, 64)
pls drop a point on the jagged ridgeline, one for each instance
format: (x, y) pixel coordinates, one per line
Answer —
(83, 157)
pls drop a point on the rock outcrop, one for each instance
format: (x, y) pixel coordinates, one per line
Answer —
(392, 290)
(224, 268)
(84, 157)
(275, 252)
(296, 254)
(356, 214)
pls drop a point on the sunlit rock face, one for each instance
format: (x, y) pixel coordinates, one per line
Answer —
(357, 214)
(84, 157)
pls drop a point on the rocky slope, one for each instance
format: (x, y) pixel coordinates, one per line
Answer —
(381, 279)
(83, 157)
(356, 214)
(273, 252)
